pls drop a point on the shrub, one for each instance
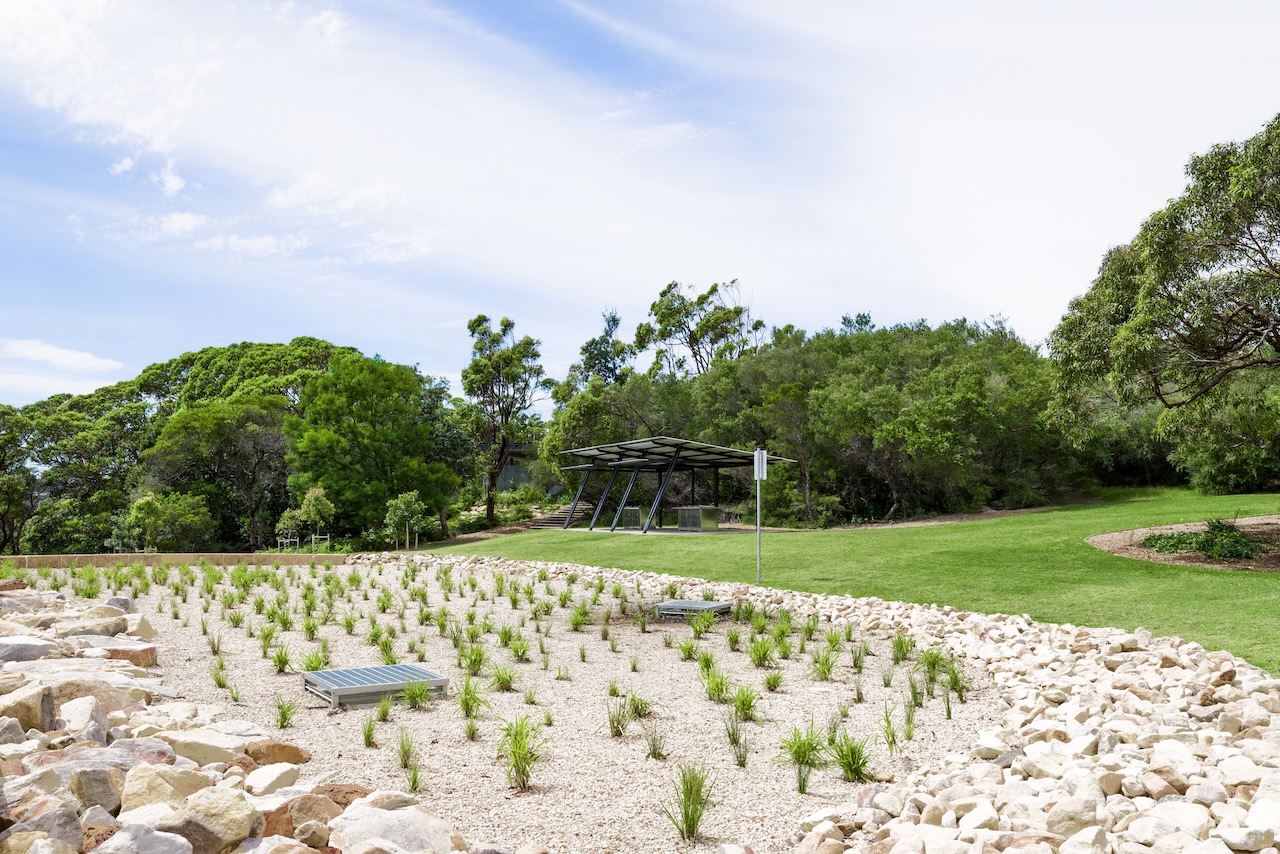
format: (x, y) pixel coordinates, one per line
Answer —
(1220, 540)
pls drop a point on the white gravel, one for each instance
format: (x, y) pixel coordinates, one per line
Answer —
(592, 793)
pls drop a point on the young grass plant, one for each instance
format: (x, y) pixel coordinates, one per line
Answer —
(367, 731)
(853, 757)
(285, 711)
(618, 717)
(656, 742)
(520, 749)
(404, 748)
(804, 747)
(693, 787)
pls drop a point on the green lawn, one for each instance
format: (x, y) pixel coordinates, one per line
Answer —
(1036, 564)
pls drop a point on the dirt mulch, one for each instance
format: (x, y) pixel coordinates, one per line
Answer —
(1129, 544)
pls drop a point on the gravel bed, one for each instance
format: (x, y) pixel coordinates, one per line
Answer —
(592, 792)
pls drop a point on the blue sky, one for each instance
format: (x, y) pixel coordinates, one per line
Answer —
(180, 175)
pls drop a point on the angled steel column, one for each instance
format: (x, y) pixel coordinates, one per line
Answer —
(715, 487)
(662, 487)
(603, 498)
(626, 493)
(586, 475)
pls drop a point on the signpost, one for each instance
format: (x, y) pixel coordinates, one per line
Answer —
(762, 473)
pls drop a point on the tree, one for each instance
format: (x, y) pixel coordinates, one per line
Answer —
(316, 508)
(1188, 306)
(171, 521)
(17, 479)
(503, 381)
(371, 430)
(288, 524)
(692, 332)
(405, 509)
(233, 453)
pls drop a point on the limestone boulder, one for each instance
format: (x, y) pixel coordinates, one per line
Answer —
(85, 718)
(115, 695)
(269, 751)
(120, 648)
(138, 838)
(32, 705)
(212, 820)
(313, 808)
(202, 745)
(26, 648)
(161, 784)
(99, 787)
(410, 827)
(271, 778)
(109, 626)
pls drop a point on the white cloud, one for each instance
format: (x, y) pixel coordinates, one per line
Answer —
(168, 179)
(909, 160)
(257, 245)
(181, 223)
(53, 356)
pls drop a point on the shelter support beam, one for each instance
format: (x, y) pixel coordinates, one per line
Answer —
(662, 487)
(573, 508)
(595, 517)
(626, 493)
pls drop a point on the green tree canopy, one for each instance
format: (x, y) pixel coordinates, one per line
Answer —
(371, 430)
(232, 452)
(1184, 309)
(171, 521)
(502, 381)
(690, 332)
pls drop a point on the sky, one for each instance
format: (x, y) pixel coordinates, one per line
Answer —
(181, 175)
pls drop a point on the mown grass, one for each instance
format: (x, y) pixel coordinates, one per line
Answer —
(1038, 564)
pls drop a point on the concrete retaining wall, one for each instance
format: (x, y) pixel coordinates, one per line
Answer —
(153, 558)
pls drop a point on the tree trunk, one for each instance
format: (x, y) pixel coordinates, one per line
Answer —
(491, 495)
(444, 522)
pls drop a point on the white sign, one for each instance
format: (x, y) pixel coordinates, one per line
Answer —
(762, 464)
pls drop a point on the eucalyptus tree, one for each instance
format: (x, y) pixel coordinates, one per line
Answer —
(503, 380)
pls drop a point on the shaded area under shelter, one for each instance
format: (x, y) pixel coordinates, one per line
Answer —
(664, 456)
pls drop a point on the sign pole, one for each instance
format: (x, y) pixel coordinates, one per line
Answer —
(762, 472)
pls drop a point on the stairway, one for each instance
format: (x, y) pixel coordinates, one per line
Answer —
(556, 519)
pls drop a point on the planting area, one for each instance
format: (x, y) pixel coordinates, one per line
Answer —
(618, 703)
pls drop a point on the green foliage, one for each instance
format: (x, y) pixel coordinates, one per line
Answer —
(804, 747)
(502, 380)
(171, 521)
(1220, 540)
(371, 431)
(693, 787)
(1185, 315)
(521, 749)
(853, 757)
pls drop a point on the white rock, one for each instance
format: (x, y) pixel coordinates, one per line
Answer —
(1089, 840)
(269, 778)
(1245, 838)
(136, 838)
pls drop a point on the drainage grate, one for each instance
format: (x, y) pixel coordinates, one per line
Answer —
(685, 607)
(360, 686)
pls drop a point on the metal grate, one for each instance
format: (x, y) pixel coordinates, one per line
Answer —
(685, 607)
(359, 686)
